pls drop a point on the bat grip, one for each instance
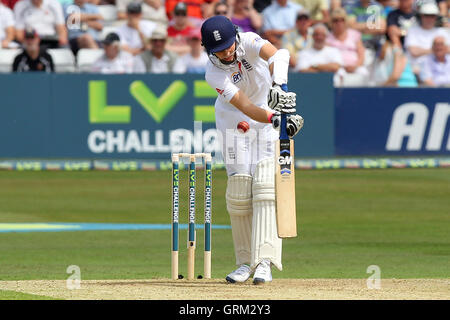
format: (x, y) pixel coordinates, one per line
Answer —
(283, 124)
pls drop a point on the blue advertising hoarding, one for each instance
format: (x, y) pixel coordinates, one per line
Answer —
(93, 116)
(392, 121)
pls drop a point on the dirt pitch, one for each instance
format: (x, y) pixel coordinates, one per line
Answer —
(283, 289)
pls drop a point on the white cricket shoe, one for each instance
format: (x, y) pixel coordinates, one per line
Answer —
(263, 272)
(241, 274)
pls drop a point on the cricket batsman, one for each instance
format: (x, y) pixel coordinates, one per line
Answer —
(248, 73)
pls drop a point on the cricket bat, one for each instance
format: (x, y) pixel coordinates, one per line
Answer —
(285, 182)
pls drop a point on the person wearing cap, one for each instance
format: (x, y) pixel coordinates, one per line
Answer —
(152, 10)
(85, 23)
(195, 61)
(44, 16)
(368, 18)
(435, 67)
(7, 30)
(158, 59)
(114, 60)
(195, 8)
(134, 34)
(249, 75)
(33, 57)
(348, 42)
(246, 17)
(399, 21)
(299, 38)
(419, 40)
(278, 18)
(179, 30)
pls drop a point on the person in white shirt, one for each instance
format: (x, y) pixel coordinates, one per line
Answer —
(320, 58)
(44, 16)
(250, 76)
(158, 59)
(419, 39)
(196, 60)
(6, 27)
(134, 33)
(114, 60)
(153, 10)
(435, 67)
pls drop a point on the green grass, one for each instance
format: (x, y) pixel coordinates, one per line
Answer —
(14, 295)
(397, 219)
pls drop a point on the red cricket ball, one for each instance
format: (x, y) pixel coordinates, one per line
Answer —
(243, 126)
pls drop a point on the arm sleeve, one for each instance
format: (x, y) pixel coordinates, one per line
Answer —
(9, 18)
(59, 14)
(302, 62)
(18, 15)
(252, 43)
(222, 84)
(425, 72)
(138, 65)
(392, 19)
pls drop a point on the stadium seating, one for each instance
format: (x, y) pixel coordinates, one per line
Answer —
(86, 57)
(7, 58)
(63, 59)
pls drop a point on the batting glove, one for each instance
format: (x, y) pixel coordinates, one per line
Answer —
(293, 125)
(281, 101)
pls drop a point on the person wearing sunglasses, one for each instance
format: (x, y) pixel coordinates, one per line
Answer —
(348, 42)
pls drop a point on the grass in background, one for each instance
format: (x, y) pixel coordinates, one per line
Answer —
(397, 219)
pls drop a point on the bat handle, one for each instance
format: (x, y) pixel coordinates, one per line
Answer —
(283, 124)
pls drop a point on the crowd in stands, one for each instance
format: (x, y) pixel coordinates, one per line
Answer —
(402, 43)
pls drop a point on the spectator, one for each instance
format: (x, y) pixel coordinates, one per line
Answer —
(299, 38)
(196, 60)
(9, 3)
(246, 17)
(158, 59)
(84, 24)
(399, 21)
(46, 17)
(152, 10)
(419, 40)
(435, 67)
(318, 9)
(195, 8)
(32, 58)
(320, 57)
(348, 42)
(179, 31)
(6, 27)
(392, 68)
(133, 35)
(114, 60)
(368, 18)
(221, 8)
(278, 18)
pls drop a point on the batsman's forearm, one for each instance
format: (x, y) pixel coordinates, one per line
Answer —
(241, 102)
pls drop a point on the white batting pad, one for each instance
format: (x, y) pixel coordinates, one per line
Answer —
(265, 241)
(239, 206)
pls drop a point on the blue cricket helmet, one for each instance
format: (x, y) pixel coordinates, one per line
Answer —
(218, 33)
